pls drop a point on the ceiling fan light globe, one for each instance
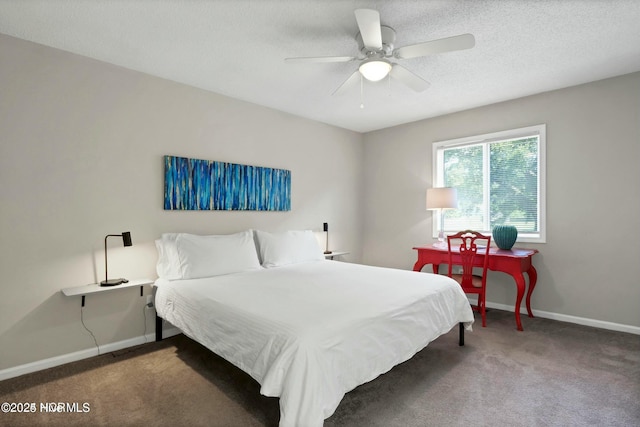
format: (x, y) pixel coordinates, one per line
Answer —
(375, 69)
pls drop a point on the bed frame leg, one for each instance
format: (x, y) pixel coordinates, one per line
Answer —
(461, 334)
(159, 328)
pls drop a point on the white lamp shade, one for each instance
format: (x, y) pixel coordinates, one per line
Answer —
(442, 198)
(375, 69)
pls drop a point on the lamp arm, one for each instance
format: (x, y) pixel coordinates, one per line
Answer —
(326, 244)
(106, 274)
(106, 270)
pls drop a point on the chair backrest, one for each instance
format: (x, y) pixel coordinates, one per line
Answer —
(472, 244)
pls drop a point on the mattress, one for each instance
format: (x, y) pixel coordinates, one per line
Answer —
(310, 332)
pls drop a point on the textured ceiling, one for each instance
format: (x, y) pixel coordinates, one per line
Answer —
(237, 48)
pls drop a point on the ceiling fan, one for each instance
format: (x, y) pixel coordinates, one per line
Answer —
(375, 43)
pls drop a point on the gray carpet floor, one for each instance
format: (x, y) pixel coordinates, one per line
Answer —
(552, 374)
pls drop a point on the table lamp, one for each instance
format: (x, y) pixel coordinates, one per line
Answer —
(439, 199)
(126, 240)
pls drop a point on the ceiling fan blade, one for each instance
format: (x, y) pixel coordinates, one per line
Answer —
(410, 79)
(463, 41)
(321, 59)
(369, 25)
(349, 83)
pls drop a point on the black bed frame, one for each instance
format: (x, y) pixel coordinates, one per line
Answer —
(158, 328)
(159, 331)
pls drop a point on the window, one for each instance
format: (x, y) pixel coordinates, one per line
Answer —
(499, 178)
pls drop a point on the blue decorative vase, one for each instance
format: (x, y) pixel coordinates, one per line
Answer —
(505, 236)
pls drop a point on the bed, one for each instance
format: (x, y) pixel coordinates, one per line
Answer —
(308, 330)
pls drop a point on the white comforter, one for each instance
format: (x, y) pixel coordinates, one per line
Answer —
(309, 333)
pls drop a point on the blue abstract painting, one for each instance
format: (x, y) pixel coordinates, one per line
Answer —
(193, 184)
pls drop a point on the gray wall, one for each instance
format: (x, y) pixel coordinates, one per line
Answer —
(81, 157)
(589, 267)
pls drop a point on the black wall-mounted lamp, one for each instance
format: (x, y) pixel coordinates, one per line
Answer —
(126, 240)
(325, 228)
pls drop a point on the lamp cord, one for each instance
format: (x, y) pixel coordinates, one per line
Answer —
(144, 332)
(88, 330)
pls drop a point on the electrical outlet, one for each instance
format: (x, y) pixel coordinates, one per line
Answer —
(149, 301)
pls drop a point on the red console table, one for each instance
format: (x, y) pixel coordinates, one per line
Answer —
(514, 262)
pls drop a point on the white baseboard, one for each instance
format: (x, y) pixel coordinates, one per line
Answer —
(39, 365)
(571, 319)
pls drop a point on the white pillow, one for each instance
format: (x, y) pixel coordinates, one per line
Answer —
(168, 265)
(208, 256)
(289, 247)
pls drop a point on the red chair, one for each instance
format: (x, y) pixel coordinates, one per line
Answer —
(470, 249)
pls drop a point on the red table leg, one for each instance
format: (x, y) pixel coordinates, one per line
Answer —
(533, 278)
(520, 285)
